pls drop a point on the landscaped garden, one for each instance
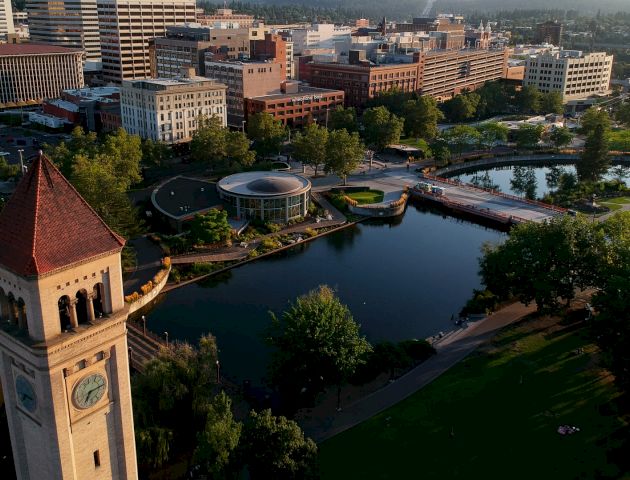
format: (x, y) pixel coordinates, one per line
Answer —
(367, 197)
(496, 415)
(616, 203)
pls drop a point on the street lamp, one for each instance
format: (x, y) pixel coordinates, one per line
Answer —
(243, 125)
(166, 335)
(20, 151)
(218, 374)
(144, 325)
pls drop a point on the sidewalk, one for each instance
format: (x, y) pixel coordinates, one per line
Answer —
(453, 349)
(149, 262)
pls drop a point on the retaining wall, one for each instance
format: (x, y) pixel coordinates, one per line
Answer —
(145, 299)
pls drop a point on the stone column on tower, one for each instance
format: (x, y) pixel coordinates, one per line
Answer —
(72, 310)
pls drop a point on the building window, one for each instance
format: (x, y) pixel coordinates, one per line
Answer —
(97, 459)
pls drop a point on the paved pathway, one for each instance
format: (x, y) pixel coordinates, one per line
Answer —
(451, 350)
(148, 263)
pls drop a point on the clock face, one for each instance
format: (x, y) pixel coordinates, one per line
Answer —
(89, 390)
(25, 393)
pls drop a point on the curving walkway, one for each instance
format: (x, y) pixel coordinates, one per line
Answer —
(451, 350)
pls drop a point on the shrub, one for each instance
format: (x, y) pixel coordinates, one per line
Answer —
(252, 254)
(269, 243)
(417, 350)
(311, 232)
(175, 276)
(273, 227)
(483, 301)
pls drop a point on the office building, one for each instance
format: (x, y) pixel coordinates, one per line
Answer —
(319, 36)
(169, 109)
(243, 80)
(549, 32)
(296, 104)
(572, 73)
(226, 18)
(6, 18)
(67, 23)
(127, 26)
(30, 73)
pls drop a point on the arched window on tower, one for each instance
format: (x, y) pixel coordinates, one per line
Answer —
(64, 313)
(13, 309)
(21, 314)
(97, 300)
(82, 307)
(5, 315)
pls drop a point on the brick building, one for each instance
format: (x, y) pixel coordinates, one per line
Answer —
(296, 104)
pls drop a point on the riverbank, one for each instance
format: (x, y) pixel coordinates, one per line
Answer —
(496, 415)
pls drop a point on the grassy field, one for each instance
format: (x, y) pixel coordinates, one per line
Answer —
(615, 203)
(371, 196)
(620, 140)
(494, 416)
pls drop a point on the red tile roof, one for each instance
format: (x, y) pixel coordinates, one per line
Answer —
(33, 49)
(47, 225)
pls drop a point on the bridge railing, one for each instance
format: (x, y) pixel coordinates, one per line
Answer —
(497, 193)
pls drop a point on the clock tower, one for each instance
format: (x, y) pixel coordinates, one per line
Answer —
(63, 338)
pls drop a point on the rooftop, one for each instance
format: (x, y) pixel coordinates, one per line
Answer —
(47, 225)
(264, 184)
(9, 49)
(181, 197)
(303, 90)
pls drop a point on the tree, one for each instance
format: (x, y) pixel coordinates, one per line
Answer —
(552, 177)
(155, 153)
(217, 443)
(124, 153)
(462, 107)
(611, 324)
(266, 132)
(561, 137)
(461, 136)
(393, 100)
(344, 152)
(543, 262)
(528, 99)
(209, 141)
(210, 227)
(492, 133)
(551, 102)
(494, 98)
(381, 127)
(622, 115)
(528, 136)
(172, 398)
(8, 170)
(317, 343)
(343, 118)
(593, 118)
(441, 154)
(421, 118)
(309, 147)
(594, 160)
(237, 149)
(275, 447)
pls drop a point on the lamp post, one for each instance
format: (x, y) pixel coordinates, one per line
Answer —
(218, 373)
(243, 122)
(144, 325)
(21, 151)
(166, 335)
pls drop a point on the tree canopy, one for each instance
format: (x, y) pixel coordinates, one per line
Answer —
(344, 152)
(309, 147)
(343, 118)
(381, 127)
(210, 227)
(266, 132)
(421, 118)
(316, 342)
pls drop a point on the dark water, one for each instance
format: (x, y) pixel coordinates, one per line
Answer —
(402, 279)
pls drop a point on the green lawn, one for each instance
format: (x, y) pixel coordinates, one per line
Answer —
(503, 429)
(618, 200)
(371, 196)
(620, 140)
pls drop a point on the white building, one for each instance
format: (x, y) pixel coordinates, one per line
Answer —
(126, 27)
(6, 18)
(67, 23)
(169, 109)
(572, 73)
(319, 36)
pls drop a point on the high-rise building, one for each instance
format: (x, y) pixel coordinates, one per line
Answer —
(31, 73)
(168, 109)
(572, 73)
(6, 18)
(549, 32)
(319, 36)
(67, 23)
(243, 80)
(63, 336)
(127, 26)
